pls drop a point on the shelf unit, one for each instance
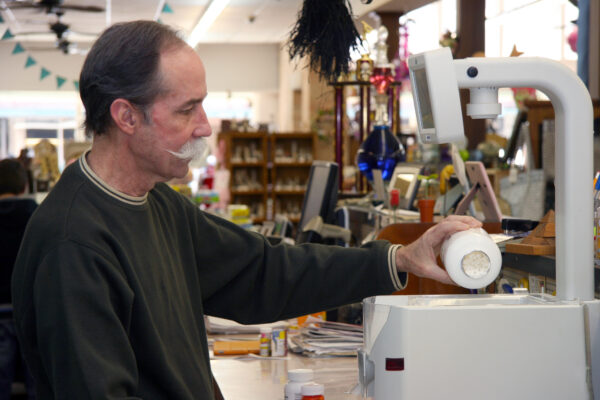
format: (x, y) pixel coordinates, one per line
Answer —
(269, 172)
(291, 155)
(246, 159)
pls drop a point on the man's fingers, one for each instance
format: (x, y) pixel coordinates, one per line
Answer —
(437, 273)
(419, 257)
(464, 219)
(445, 228)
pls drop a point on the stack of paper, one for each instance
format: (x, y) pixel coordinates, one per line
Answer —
(319, 338)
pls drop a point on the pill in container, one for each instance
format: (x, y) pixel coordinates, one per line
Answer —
(471, 258)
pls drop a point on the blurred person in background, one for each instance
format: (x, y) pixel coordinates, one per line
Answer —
(15, 211)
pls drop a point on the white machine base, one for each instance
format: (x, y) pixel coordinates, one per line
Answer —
(478, 347)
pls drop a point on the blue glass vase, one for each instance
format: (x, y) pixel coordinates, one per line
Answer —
(381, 150)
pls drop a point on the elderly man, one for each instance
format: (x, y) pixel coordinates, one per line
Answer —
(117, 270)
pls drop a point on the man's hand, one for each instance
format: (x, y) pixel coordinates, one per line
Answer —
(419, 257)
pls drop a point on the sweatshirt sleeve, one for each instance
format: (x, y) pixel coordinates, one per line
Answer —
(245, 278)
(82, 310)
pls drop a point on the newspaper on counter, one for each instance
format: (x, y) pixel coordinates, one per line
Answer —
(318, 338)
(215, 325)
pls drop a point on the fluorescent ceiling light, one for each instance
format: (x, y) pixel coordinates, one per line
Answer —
(212, 12)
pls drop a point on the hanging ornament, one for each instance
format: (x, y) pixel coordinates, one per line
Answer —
(381, 150)
(325, 33)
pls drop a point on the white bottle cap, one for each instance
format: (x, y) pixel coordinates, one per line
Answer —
(471, 258)
(300, 375)
(265, 330)
(312, 389)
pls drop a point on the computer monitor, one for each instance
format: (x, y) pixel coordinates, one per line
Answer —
(436, 96)
(321, 193)
(406, 181)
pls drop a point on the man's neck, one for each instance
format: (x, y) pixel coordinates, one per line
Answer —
(115, 166)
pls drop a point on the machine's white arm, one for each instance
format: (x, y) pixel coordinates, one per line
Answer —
(573, 156)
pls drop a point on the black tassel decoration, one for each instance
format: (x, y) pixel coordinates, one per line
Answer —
(325, 32)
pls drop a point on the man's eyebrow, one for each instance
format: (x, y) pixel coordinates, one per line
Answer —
(191, 102)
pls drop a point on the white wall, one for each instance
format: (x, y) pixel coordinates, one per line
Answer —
(14, 75)
(248, 68)
(231, 67)
(240, 67)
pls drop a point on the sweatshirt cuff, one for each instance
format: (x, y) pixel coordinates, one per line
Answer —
(399, 279)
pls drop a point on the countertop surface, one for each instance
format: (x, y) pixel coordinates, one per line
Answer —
(252, 378)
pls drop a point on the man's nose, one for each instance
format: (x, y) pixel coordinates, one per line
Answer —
(203, 127)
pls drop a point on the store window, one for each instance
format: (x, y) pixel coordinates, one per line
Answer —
(538, 28)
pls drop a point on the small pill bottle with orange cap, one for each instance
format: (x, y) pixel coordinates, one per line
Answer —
(313, 391)
(297, 378)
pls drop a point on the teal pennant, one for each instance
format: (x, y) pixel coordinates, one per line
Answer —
(167, 9)
(1, 19)
(44, 73)
(7, 35)
(76, 84)
(18, 49)
(30, 61)
(60, 81)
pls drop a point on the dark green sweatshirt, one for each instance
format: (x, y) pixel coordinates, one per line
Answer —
(109, 290)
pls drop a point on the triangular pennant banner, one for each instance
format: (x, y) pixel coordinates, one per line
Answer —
(30, 61)
(167, 9)
(60, 81)
(18, 49)
(7, 35)
(1, 19)
(76, 84)
(44, 73)
(159, 21)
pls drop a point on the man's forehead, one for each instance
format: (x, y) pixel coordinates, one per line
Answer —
(173, 55)
(182, 73)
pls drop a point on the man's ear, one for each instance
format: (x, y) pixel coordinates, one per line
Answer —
(126, 117)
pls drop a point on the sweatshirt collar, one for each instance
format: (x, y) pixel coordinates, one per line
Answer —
(106, 188)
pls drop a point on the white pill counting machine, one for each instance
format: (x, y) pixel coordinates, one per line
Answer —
(497, 346)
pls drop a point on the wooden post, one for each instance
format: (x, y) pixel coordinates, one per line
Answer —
(339, 132)
(470, 26)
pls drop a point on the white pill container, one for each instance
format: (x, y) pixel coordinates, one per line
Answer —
(297, 378)
(471, 258)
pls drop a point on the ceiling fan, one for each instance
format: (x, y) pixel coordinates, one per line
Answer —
(60, 30)
(51, 6)
(63, 45)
